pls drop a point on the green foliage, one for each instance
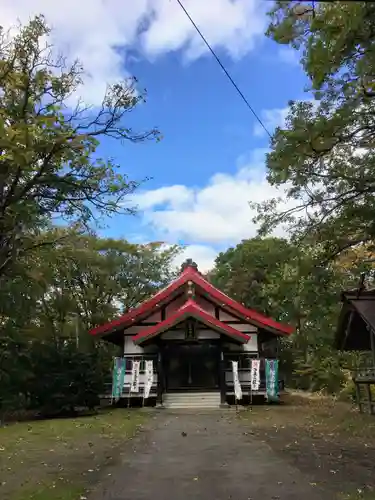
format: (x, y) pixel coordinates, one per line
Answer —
(63, 378)
(324, 155)
(49, 378)
(49, 166)
(48, 362)
(85, 280)
(321, 369)
(281, 279)
(252, 271)
(58, 282)
(324, 159)
(14, 372)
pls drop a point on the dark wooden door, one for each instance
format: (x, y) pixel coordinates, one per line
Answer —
(192, 367)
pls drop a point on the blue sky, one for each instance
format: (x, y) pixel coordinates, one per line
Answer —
(210, 162)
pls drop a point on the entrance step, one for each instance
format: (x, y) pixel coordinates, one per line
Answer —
(192, 400)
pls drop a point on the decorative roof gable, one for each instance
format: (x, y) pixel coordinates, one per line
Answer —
(188, 277)
(190, 310)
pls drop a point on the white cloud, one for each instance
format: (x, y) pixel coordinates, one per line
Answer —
(231, 24)
(271, 118)
(176, 196)
(215, 214)
(203, 255)
(100, 32)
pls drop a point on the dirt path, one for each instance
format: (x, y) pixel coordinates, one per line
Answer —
(210, 456)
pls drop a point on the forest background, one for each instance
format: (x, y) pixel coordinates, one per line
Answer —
(59, 277)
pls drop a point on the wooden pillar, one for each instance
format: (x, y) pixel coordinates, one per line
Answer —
(358, 394)
(223, 385)
(372, 374)
(369, 398)
(372, 343)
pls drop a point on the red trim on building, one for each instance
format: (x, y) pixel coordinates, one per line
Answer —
(144, 309)
(247, 314)
(191, 274)
(190, 310)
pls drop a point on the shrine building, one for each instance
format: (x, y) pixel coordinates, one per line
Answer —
(192, 332)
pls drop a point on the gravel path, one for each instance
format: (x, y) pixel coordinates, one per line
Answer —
(205, 455)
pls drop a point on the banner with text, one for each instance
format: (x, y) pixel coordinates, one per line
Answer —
(149, 378)
(134, 383)
(272, 379)
(118, 378)
(255, 374)
(236, 381)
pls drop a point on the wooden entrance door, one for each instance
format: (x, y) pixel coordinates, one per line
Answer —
(192, 366)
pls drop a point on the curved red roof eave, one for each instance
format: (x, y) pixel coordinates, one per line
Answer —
(190, 310)
(191, 274)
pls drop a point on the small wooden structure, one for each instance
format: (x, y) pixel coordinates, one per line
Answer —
(356, 332)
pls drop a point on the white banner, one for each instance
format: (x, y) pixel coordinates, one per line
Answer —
(236, 381)
(134, 383)
(149, 378)
(255, 374)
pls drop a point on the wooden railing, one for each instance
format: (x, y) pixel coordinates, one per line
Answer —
(364, 379)
(365, 375)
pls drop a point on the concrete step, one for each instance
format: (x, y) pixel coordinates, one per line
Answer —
(192, 400)
(197, 395)
(177, 406)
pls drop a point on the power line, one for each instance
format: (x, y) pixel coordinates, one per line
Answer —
(224, 69)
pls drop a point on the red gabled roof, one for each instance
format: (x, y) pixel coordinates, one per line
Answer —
(244, 312)
(143, 309)
(190, 310)
(191, 274)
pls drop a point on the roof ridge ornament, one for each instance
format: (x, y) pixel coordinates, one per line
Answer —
(189, 263)
(190, 290)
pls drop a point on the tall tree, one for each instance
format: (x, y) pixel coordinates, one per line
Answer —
(249, 271)
(47, 358)
(324, 156)
(83, 281)
(48, 163)
(282, 280)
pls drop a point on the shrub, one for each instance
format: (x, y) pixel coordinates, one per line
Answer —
(52, 378)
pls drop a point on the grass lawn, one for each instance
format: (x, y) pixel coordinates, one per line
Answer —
(329, 441)
(58, 459)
